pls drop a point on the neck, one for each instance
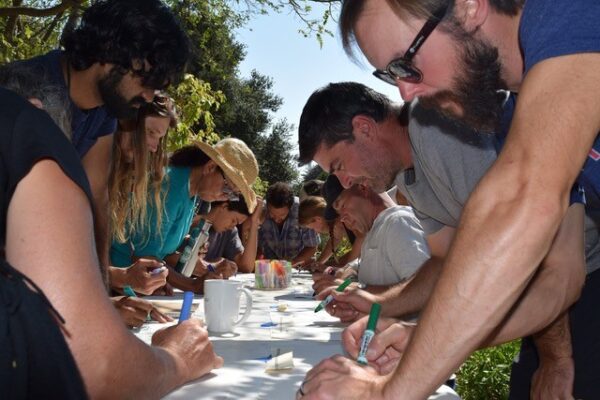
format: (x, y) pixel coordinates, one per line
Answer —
(502, 31)
(83, 85)
(396, 144)
(380, 202)
(196, 180)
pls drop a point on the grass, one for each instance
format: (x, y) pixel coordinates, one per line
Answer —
(486, 374)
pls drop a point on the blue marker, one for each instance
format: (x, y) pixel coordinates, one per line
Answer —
(211, 268)
(186, 307)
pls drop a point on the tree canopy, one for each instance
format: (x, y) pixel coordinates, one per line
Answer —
(214, 100)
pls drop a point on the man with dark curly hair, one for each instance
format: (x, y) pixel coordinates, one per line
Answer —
(119, 55)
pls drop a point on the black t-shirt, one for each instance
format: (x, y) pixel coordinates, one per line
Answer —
(28, 135)
(32, 365)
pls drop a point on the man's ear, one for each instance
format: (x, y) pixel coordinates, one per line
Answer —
(471, 14)
(36, 102)
(363, 126)
(363, 189)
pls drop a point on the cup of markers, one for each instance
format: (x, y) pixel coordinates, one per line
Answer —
(272, 274)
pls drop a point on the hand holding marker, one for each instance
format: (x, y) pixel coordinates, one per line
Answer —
(186, 307)
(329, 298)
(369, 333)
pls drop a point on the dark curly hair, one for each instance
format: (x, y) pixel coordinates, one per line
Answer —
(121, 32)
(280, 195)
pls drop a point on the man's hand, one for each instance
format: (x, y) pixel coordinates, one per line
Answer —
(340, 377)
(553, 380)
(140, 278)
(135, 311)
(226, 268)
(322, 281)
(350, 304)
(188, 343)
(386, 347)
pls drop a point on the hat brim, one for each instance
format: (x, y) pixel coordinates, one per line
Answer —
(231, 174)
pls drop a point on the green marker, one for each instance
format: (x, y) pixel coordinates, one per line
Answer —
(329, 298)
(129, 291)
(369, 333)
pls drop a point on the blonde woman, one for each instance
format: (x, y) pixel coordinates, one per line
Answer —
(139, 160)
(199, 172)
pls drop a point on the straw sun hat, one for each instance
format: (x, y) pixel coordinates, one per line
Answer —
(238, 164)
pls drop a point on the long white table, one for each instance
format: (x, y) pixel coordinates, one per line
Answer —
(310, 336)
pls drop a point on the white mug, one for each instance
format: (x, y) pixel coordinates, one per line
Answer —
(222, 304)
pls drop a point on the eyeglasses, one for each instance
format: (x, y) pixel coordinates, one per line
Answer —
(228, 189)
(402, 68)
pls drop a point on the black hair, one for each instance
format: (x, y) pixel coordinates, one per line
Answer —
(188, 156)
(238, 206)
(312, 187)
(327, 115)
(123, 31)
(280, 195)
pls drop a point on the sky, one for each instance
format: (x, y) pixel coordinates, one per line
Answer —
(297, 64)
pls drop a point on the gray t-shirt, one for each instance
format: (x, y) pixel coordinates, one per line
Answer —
(394, 249)
(225, 244)
(448, 162)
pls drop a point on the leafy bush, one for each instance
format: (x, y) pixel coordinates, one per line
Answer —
(486, 374)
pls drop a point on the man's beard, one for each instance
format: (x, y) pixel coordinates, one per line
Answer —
(476, 91)
(114, 102)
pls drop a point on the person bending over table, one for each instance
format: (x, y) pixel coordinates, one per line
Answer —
(394, 247)
(224, 242)
(43, 180)
(439, 165)
(139, 160)
(199, 171)
(280, 236)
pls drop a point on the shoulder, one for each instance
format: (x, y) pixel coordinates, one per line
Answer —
(560, 27)
(29, 135)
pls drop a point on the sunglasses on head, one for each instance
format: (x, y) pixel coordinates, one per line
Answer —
(402, 68)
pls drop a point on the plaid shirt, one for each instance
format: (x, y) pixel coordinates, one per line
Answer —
(290, 241)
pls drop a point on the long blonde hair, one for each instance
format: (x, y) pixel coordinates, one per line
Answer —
(133, 184)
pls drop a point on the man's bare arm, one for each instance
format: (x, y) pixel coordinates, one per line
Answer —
(509, 222)
(97, 163)
(65, 267)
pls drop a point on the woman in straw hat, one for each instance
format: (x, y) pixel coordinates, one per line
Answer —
(196, 173)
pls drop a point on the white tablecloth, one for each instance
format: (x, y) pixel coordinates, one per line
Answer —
(311, 336)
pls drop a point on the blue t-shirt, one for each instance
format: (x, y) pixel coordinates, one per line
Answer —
(556, 28)
(87, 125)
(177, 215)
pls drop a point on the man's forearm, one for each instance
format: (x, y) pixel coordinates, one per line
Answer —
(102, 230)
(304, 255)
(479, 283)
(556, 285)
(250, 242)
(554, 341)
(410, 298)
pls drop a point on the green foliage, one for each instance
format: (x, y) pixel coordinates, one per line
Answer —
(485, 375)
(260, 187)
(247, 112)
(313, 23)
(196, 101)
(26, 37)
(273, 153)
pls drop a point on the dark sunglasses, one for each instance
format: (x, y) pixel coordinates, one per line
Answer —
(402, 68)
